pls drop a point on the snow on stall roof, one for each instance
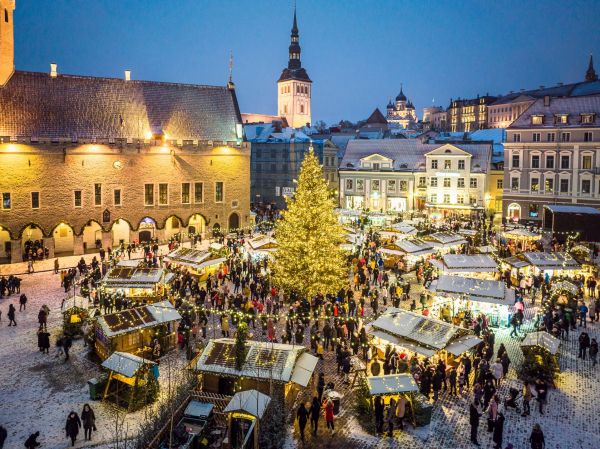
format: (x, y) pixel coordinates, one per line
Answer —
(194, 258)
(391, 384)
(163, 312)
(133, 263)
(481, 290)
(447, 238)
(516, 262)
(126, 277)
(263, 242)
(557, 260)
(305, 366)
(463, 344)
(198, 409)
(469, 263)
(137, 318)
(125, 364)
(415, 246)
(543, 339)
(250, 401)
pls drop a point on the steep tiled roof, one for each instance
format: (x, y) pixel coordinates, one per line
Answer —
(564, 90)
(409, 154)
(81, 107)
(377, 118)
(574, 106)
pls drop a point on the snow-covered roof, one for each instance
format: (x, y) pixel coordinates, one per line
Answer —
(543, 339)
(137, 318)
(564, 286)
(250, 401)
(446, 239)
(194, 258)
(463, 263)
(304, 368)
(481, 290)
(556, 261)
(399, 342)
(264, 360)
(263, 243)
(572, 106)
(125, 364)
(486, 249)
(216, 246)
(133, 277)
(516, 262)
(463, 344)
(391, 384)
(416, 247)
(521, 234)
(129, 262)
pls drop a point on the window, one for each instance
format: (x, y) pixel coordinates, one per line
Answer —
(514, 183)
(561, 119)
(6, 200)
(375, 166)
(515, 161)
(537, 119)
(391, 185)
(117, 197)
(403, 186)
(537, 137)
(549, 161)
(535, 161)
(460, 183)
(218, 192)
(446, 198)
(516, 137)
(163, 194)
(185, 193)
(35, 200)
(461, 164)
(460, 199)
(446, 182)
(198, 192)
(422, 181)
(550, 137)
(77, 198)
(301, 109)
(564, 186)
(534, 210)
(149, 194)
(587, 118)
(447, 164)
(349, 184)
(565, 162)
(433, 198)
(375, 185)
(434, 182)
(360, 185)
(586, 186)
(535, 184)
(473, 183)
(586, 162)
(434, 164)
(549, 185)
(565, 137)
(500, 183)
(97, 194)
(588, 136)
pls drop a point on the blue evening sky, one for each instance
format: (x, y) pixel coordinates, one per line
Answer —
(356, 52)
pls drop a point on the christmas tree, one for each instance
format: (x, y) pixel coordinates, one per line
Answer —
(309, 259)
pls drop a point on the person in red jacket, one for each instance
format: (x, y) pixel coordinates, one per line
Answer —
(329, 414)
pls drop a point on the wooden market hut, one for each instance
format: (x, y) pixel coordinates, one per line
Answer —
(76, 312)
(262, 246)
(199, 263)
(410, 250)
(391, 386)
(132, 381)
(288, 366)
(554, 264)
(134, 330)
(541, 339)
(398, 231)
(138, 284)
(245, 412)
(446, 241)
(480, 265)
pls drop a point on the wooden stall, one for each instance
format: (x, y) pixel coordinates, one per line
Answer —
(475, 265)
(262, 246)
(553, 264)
(245, 412)
(197, 262)
(137, 284)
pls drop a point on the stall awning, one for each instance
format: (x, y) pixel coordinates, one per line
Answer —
(517, 262)
(304, 368)
(416, 247)
(250, 401)
(542, 339)
(447, 239)
(125, 364)
(551, 261)
(401, 343)
(472, 289)
(391, 384)
(521, 234)
(463, 263)
(463, 344)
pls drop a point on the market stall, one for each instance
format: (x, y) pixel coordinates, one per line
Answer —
(134, 330)
(552, 264)
(523, 238)
(446, 241)
(415, 250)
(262, 246)
(137, 284)
(476, 265)
(245, 412)
(392, 386)
(541, 339)
(197, 262)
(463, 298)
(398, 231)
(76, 312)
(132, 381)
(517, 265)
(265, 364)
(540, 357)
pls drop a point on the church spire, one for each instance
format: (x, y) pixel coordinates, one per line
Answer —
(294, 62)
(590, 75)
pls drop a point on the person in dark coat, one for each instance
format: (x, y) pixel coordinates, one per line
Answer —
(11, 315)
(72, 427)
(498, 431)
(474, 416)
(88, 418)
(302, 415)
(315, 413)
(31, 442)
(67, 343)
(537, 438)
(379, 408)
(320, 387)
(3, 435)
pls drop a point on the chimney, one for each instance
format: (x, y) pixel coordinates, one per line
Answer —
(546, 100)
(127, 75)
(53, 71)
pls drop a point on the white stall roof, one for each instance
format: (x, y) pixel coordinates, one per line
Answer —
(543, 339)
(194, 258)
(125, 364)
(216, 246)
(129, 263)
(469, 232)
(447, 238)
(486, 249)
(130, 320)
(416, 247)
(473, 289)
(521, 234)
(263, 242)
(163, 312)
(469, 263)
(517, 262)
(392, 384)
(250, 401)
(565, 285)
(305, 366)
(463, 344)
(551, 261)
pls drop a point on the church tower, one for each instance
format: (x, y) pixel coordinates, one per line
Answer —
(294, 86)
(7, 41)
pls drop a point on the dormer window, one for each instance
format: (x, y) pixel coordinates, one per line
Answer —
(587, 118)
(537, 119)
(375, 166)
(561, 119)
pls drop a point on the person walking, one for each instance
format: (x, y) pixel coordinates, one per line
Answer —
(22, 302)
(391, 415)
(594, 351)
(32, 442)
(320, 387)
(11, 315)
(302, 415)
(584, 343)
(329, 415)
(401, 411)
(67, 343)
(526, 399)
(72, 427)
(498, 430)
(536, 439)
(542, 393)
(379, 409)
(315, 413)
(474, 416)
(56, 266)
(88, 418)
